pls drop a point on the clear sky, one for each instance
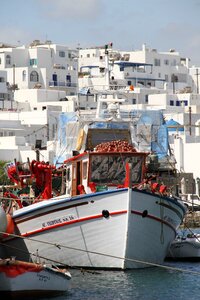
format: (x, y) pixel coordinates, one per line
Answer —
(160, 24)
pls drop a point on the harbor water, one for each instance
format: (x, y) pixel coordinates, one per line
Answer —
(153, 283)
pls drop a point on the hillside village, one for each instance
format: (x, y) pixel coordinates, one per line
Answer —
(42, 82)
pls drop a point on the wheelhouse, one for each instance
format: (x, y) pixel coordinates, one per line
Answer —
(102, 170)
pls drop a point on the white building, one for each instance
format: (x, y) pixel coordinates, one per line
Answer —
(40, 65)
(44, 79)
(146, 67)
(142, 72)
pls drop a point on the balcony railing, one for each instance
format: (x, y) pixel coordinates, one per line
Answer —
(62, 84)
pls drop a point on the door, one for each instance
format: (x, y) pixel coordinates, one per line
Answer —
(55, 79)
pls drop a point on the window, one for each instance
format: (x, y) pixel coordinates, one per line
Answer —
(2, 79)
(166, 62)
(2, 96)
(184, 103)
(61, 53)
(0, 60)
(84, 170)
(166, 77)
(157, 62)
(111, 168)
(24, 75)
(88, 55)
(134, 101)
(173, 63)
(33, 62)
(171, 102)
(34, 77)
(38, 144)
(68, 177)
(8, 60)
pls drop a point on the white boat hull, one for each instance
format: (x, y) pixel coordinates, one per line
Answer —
(185, 248)
(18, 278)
(76, 232)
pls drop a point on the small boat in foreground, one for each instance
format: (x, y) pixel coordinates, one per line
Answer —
(19, 278)
(185, 248)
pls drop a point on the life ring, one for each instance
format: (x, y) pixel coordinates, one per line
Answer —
(80, 138)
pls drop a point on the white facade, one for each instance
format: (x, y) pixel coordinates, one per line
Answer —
(41, 80)
(39, 99)
(147, 68)
(40, 65)
(184, 137)
(44, 80)
(27, 131)
(6, 95)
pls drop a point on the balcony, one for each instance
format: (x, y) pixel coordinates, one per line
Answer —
(62, 84)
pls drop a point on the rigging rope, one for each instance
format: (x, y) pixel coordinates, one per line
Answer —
(59, 246)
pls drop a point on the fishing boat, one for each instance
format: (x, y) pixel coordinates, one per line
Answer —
(111, 212)
(24, 279)
(185, 247)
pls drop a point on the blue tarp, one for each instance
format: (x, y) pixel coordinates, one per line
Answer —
(110, 125)
(173, 125)
(161, 146)
(159, 132)
(64, 118)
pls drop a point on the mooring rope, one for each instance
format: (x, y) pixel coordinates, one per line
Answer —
(59, 246)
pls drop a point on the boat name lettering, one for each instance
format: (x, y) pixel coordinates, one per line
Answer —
(170, 220)
(58, 221)
(43, 277)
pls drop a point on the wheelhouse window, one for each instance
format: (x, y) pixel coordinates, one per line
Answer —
(110, 169)
(85, 170)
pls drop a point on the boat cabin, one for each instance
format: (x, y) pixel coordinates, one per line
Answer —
(97, 171)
